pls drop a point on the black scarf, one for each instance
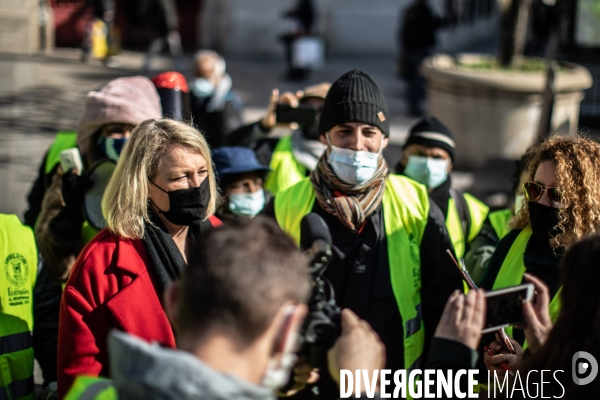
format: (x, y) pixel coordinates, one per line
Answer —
(164, 256)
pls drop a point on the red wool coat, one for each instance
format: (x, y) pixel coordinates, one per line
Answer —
(110, 287)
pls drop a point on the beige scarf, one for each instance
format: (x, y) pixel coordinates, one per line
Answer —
(357, 202)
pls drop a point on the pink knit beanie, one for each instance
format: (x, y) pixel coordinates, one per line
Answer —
(129, 100)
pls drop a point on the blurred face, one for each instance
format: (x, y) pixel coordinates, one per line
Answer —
(356, 136)
(250, 182)
(545, 175)
(206, 69)
(117, 131)
(429, 152)
(180, 168)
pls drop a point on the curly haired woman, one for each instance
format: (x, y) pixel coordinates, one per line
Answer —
(562, 189)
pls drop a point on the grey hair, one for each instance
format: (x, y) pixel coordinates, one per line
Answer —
(220, 65)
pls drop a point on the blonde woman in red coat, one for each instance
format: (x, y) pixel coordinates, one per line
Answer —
(161, 197)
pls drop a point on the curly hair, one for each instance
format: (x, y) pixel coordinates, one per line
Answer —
(577, 162)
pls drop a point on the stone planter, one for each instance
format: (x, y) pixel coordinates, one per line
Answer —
(496, 113)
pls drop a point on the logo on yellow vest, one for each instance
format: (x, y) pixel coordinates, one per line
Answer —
(16, 269)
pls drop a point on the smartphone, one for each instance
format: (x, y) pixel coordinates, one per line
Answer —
(505, 306)
(71, 159)
(303, 115)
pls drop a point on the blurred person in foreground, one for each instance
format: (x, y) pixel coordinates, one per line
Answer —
(56, 200)
(240, 178)
(216, 108)
(562, 191)
(160, 199)
(389, 245)
(428, 158)
(236, 316)
(294, 156)
(551, 346)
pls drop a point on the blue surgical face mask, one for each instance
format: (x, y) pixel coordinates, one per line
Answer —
(353, 167)
(202, 87)
(112, 147)
(247, 204)
(431, 172)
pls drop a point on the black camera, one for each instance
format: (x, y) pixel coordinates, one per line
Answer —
(322, 326)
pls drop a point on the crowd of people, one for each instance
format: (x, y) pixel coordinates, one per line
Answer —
(168, 265)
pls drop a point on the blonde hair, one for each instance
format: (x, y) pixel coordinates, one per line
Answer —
(578, 174)
(125, 200)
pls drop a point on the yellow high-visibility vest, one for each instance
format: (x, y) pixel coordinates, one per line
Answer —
(406, 209)
(478, 213)
(512, 271)
(285, 170)
(18, 261)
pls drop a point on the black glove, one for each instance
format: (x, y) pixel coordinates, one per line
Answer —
(73, 190)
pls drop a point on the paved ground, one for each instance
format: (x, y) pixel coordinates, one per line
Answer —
(57, 85)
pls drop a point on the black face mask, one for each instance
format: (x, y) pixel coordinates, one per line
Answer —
(543, 219)
(187, 206)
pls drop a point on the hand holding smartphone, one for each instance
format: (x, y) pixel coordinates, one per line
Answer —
(71, 159)
(505, 306)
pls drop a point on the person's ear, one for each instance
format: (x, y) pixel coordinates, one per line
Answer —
(450, 165)
(290, 319)
(323, 138)
(404, 159)
(384, 143)
(171, 301)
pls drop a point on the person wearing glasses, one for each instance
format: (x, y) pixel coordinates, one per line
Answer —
(562, 190)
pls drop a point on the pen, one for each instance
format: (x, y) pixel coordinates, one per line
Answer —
(503, 365)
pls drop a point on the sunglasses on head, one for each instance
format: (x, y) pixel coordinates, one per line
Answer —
(534, 191)
(116, 129)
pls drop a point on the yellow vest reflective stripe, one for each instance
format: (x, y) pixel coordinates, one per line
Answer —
(405, 211)
(285, 170)
(512, 271)
(18, 261)
(478, 213)
(500, 220)
(92, 388)
(64, 140)
(67, 140)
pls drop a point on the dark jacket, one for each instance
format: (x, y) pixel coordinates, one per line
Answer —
(360, 275)
(217, 125)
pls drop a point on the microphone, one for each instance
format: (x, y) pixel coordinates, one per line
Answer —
(315, 242)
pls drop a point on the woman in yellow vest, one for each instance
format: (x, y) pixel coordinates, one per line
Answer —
(562, 189)
(497, 224)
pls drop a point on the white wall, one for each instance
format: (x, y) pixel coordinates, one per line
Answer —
(352, 27)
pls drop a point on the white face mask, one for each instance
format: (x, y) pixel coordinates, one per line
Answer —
(353, 167)
(202, 87)
(278, 372)
(247, 204)
(431, 172)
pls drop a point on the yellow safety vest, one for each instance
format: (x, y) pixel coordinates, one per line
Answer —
(500, 221)
(67, 140)
(512, 271)
(285, 170)
(92, 388)
(18, 260)
(406, 209)
(478, 212)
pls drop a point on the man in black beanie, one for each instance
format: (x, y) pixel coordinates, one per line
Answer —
(427, 158)
(389, 241)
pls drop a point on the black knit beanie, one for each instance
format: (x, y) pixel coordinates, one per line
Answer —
(430, 132)
(354, 97)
